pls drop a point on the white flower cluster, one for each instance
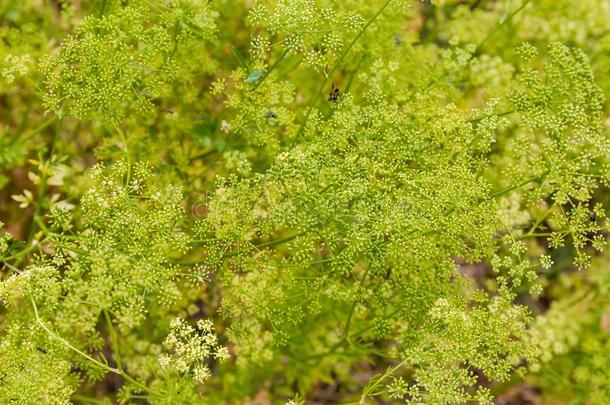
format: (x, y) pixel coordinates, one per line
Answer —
(5, 238)
(13, 67)
(190, 347)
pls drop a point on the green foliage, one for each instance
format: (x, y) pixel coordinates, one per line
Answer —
(303, 201)
(119, 63)
(572, 338)
(32, 369)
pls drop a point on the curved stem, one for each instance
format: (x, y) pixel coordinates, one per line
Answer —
(103, 366)
(69, 345)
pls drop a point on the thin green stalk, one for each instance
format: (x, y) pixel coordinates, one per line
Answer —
(539, 221)
(275, 64)
(98, 363)
(88, 400)
(314, 101)
(177, 28)
(538, 235)
(202, 155)
(19, 254)
(124, 139)
(502, 114)
(369, 391)
(353, 74)
(279, 241)
(203, 240)
(353, 307)
(341, 343)
(103, 8)
(268, 244)
(43, 227)
(237, 252)
(138, 384)
(42, 185)
(514, 187)
(42, 126)
(502, 23)
(69, 345)
(241, 59)
(114, 340)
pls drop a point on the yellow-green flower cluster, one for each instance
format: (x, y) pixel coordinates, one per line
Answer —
(190, 347)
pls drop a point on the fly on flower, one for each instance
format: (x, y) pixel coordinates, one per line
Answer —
(334, 94)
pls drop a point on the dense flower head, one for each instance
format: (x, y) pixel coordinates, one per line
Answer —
(189, 347)
(123, 62)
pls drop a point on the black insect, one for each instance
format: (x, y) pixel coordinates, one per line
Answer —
(592, 216)
(270, 114)
(388, 273)
(334, 94)
(398, 41)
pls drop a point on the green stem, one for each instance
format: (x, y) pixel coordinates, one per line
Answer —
(502, 114)
(203, 240)
(241, 59)
(124, 139)
(539, 221)
(202, 155)
(275, 64)
(114, 340)
(353, 307)
(502, 24)
(88, 400)
(138, 384)
(514, 187)
(42, 185)
(237, 252)
(341, 343)
(369, 391)
(538, 235)
(42, 126)
(103, 8)
(279, 241)
(19, 254)
(268, 244)
(69, 345)
(98, 363)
